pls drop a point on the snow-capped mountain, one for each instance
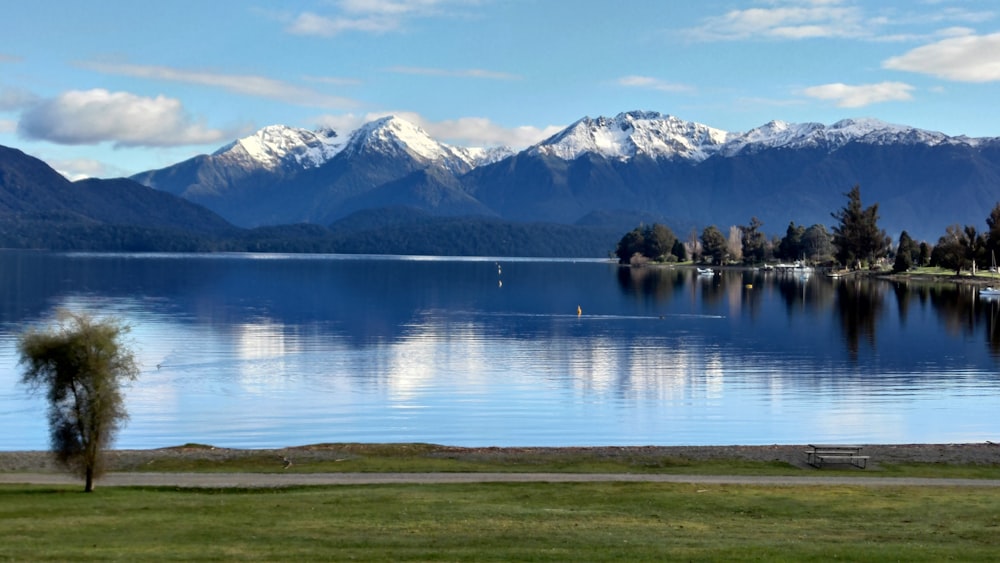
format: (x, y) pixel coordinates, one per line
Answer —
(633, 133)
(779, 134)
(634, 166)
(278, 145)
(656, 135)
(393, 135)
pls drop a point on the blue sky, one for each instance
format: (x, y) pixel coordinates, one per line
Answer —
(115, 87)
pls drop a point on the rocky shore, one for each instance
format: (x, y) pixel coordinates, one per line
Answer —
(130, 460)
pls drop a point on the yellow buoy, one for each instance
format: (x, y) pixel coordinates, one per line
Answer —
(579, 311)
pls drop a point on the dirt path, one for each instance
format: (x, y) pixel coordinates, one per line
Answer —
(268, 480)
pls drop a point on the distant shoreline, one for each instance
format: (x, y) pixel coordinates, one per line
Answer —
(963, 279)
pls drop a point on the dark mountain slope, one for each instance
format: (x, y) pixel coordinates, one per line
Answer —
(39, 208)
(124, 202)
(28, 185)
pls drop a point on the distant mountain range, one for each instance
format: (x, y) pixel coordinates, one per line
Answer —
(41, 209)
(612, 171)
(390, 187)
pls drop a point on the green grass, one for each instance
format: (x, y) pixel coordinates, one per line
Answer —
(423, 458)
(945, 273)
(502, 522)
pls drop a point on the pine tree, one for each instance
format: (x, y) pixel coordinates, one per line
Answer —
(857, 237)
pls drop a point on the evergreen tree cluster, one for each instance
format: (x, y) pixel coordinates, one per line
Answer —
(654, 242)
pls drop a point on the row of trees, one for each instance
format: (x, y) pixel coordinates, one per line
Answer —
(965, 248)
(856, 241)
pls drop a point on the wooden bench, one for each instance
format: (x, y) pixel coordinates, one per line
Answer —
(819, 455)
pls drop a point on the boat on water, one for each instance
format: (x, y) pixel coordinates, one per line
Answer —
(706, 272)
(798, 267)
(989, 292)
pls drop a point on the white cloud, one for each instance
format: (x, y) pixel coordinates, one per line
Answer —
(653, 84)
(786, 20)
(808, 19)
(389, 7)
(464, 131)
(463, 73)
(308, 23)
(968, 58)
(7, 126)
(481, 132)
(80, 168)
(248, 85)
(370, 16)
(94, 116)
(847, 96)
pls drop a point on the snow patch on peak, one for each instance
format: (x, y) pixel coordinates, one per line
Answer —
(778, 134)
(634, 133)
(392, 134)
(652, 134)
(277, 145)
(481, 156)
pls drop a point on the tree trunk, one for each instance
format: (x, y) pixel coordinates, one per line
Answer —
(89, 486)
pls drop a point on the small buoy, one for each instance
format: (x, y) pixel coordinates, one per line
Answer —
(579, 311)
(749, 286)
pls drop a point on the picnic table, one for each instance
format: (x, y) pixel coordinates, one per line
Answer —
(818, 455)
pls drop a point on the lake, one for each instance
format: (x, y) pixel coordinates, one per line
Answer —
(282, 350)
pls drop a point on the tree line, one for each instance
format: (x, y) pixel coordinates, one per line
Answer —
(854, 242)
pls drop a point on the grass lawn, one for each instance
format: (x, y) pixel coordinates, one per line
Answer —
(430, 458)
(494, 522)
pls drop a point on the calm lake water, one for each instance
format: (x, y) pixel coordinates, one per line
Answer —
(280, 350)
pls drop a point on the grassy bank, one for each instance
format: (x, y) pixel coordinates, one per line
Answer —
(956, 461)
(493, 522)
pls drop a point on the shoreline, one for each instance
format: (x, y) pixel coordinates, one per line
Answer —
(965, 278)
(980, 453)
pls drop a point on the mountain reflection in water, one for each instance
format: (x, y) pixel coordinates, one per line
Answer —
(275, 350)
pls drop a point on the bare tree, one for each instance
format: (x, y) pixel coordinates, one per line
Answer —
(81, 364)
(734, 243)
(693, 245)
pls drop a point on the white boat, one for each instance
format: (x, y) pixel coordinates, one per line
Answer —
(798, 267)
(706, 272)
(989, 292)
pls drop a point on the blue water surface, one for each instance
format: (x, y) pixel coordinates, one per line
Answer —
(282, 350)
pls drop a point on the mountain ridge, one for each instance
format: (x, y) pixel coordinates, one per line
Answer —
(643, 165)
